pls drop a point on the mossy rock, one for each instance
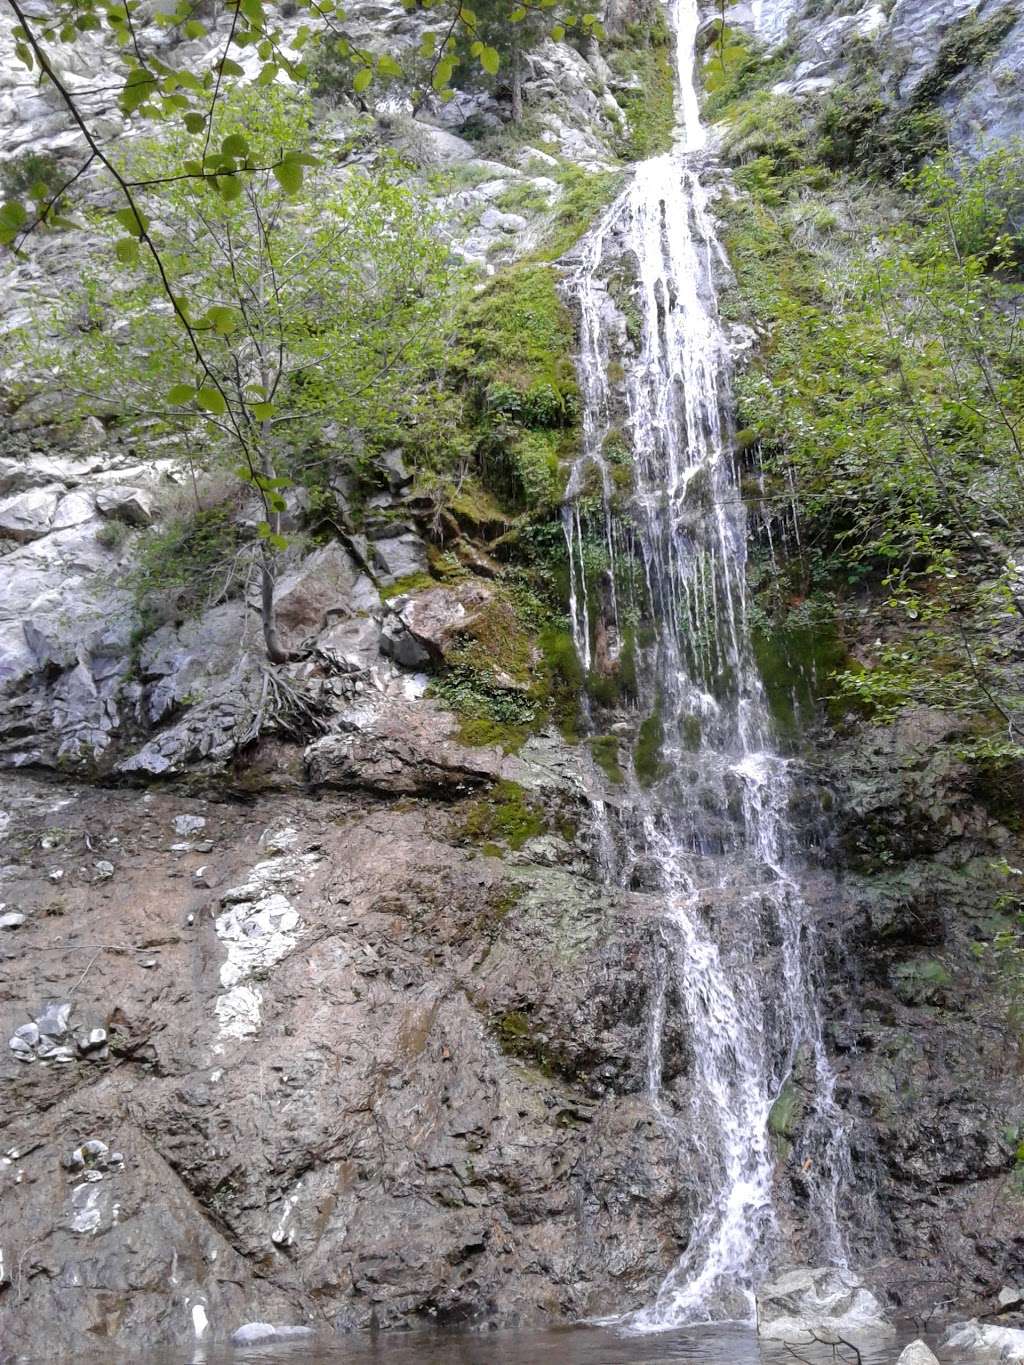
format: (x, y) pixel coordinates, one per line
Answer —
(647, 760)
(506, 816)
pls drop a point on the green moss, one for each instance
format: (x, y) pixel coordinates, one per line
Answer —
(564, 680)
(644, 58)
(517, 1037)
(504, 816)
(584, 195)
(690, 732)
(484, 731)
(733, 68)
(413, 582)
(784, 1112)
(605, 749)
(796, 658)
(520, 335)
(647, 761)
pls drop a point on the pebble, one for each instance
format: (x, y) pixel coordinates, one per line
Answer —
(104, 870)
(189, 824)
(11, 920)
(91, 1040)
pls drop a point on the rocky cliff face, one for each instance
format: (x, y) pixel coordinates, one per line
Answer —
(319, 1010)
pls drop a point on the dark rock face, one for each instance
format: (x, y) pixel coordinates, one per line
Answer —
(357, 1072)
(925, 1025)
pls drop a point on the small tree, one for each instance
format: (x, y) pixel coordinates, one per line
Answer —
(328, 311)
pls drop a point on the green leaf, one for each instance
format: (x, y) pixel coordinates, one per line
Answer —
(132, 222)
(289, 176)
(13, 215)
(126, 249)
(235, 145)
(137, 89)
(387, 66)
(195, 123)
(490, 60)
(222, 319)
(211, 400)
(363, 78)
(181, 393)
(230, 187)
(557, 33)
(263, 411)
(271, 537)
(229, 67)
(194, 29)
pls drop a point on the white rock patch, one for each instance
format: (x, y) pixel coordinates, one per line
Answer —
(260, 926)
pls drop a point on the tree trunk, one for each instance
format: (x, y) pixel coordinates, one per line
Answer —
(276, 652)
(517, 83)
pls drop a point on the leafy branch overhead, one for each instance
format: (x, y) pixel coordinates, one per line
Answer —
(181, 83)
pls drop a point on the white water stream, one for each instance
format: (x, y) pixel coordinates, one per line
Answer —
(713, 823)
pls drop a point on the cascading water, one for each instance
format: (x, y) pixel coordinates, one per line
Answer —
(709, 814)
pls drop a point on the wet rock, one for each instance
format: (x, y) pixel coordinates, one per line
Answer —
(828, 1301)
(999, 1345)
(253, 1333)
(917, 1353)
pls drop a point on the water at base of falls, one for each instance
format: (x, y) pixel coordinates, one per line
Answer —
(707, 819)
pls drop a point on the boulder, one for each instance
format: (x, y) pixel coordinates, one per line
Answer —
(399, 557)
(917, 1353)
(827, 1301)
(326, 583)
(436, 617)
(133, 505)
(999, 1345)
(1010, 1298)
(392, 465)
(27, 516)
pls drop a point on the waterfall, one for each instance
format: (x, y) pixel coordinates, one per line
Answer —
(711, 819)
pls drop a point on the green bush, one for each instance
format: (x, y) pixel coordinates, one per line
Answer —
(36, 175)
(187, 560)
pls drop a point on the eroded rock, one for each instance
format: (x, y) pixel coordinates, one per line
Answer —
(827, 1301)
